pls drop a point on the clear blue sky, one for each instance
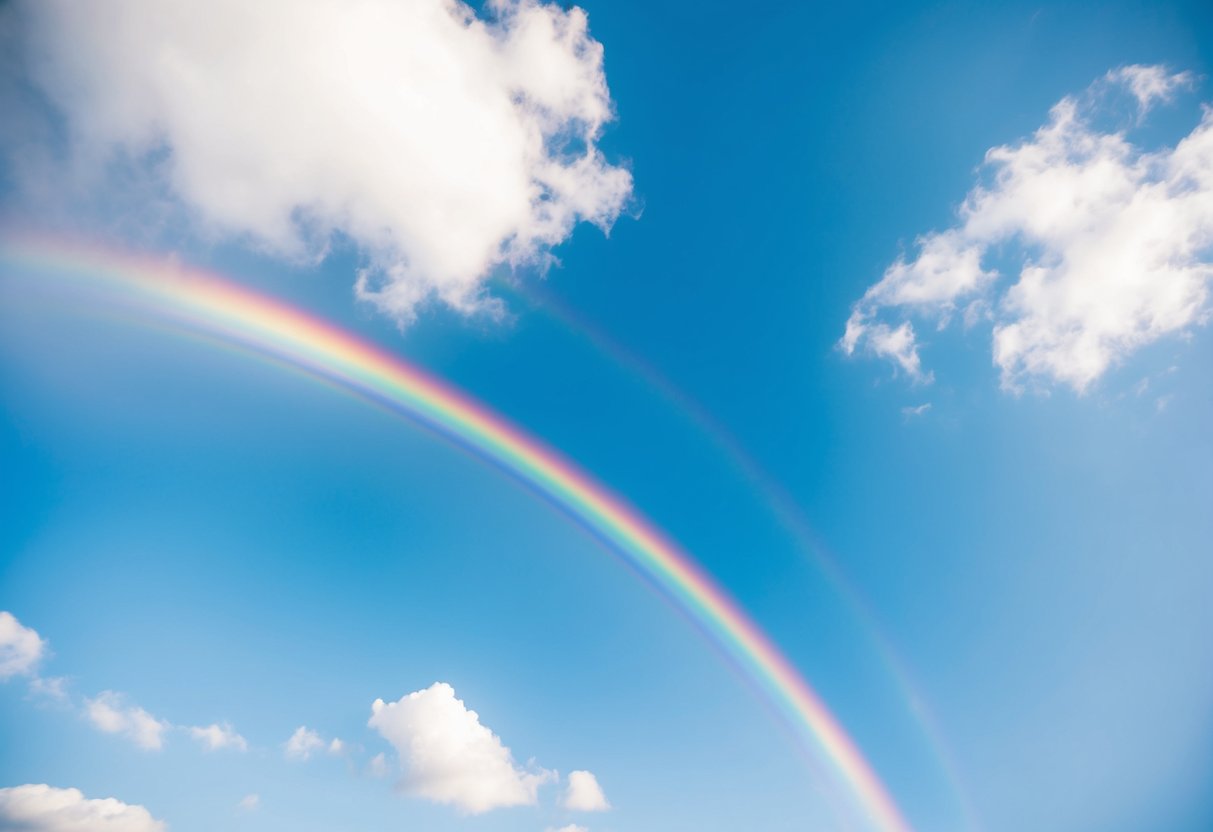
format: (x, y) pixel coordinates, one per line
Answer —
(222, 542)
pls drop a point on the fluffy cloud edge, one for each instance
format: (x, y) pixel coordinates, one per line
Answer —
(44, 808)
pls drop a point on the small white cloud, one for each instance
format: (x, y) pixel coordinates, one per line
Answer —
(584, 794)
(215, 736)
(443, 139)
(336, 746)
(899, 345)
(42, 808)
(303, 744)
(21, 648)
(572, 827)
(1110, 248)
(449, 757)
(249, 803)
(919, 410)
(109, 713)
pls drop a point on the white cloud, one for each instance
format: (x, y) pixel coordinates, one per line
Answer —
(109, 713)
(42, 808)
(1108, 246)
(216, 736)
(303, 744)
(584, 794)
(442, 143)
(20, 647)
(572, 827)
(910, 412)
(249, 803)
(449, 757)
(1150, 83)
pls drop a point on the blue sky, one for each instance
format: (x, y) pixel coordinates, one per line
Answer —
(220, 543)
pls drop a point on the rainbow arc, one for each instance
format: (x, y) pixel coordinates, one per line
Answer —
(210, 305)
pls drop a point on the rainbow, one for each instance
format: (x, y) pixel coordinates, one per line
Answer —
(207, 304)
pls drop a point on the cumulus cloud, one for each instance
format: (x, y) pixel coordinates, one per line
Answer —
(110, 713)
(584, 794)
(1107, 247)
(20, 648)
(42, 808)
(442, 142)
(215, 736)
(449, 757)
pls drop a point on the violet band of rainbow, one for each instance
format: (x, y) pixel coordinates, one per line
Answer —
(220, 308)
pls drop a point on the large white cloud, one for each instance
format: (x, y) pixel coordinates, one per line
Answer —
(20, 647)
(442, 143)
(584, 794)
(1109, 246)
(449, 757)
(42, 808)
(110, 713)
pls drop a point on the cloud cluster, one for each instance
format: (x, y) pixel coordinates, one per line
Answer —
(1110, 247)
(446, 754)
(449, 757)
(20, 648)
(42, 808)
(442, 142)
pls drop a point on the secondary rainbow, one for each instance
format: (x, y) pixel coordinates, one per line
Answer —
(210, 305)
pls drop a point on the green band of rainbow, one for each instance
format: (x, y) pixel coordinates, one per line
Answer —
(214, 306)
